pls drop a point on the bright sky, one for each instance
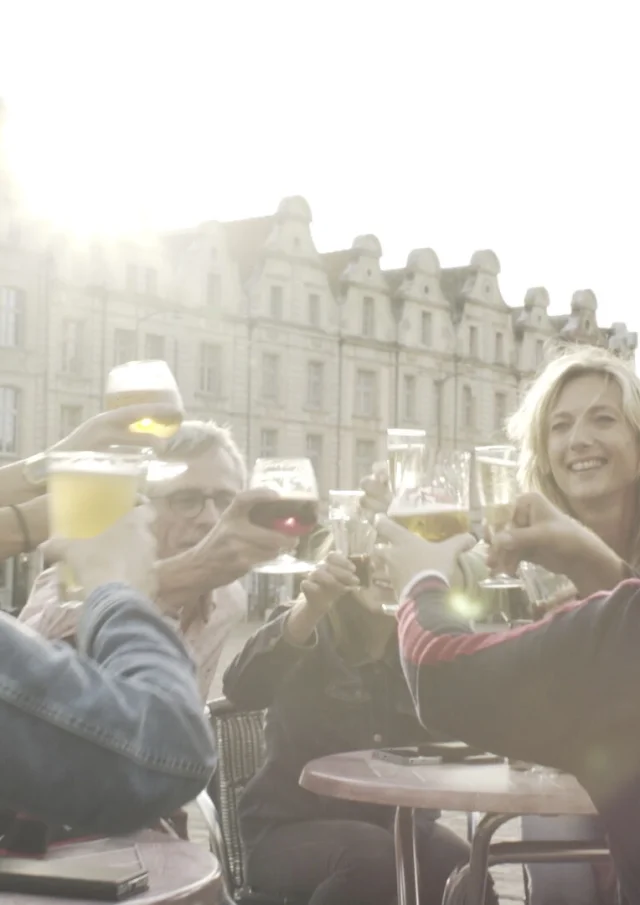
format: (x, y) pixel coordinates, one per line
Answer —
(456, 124)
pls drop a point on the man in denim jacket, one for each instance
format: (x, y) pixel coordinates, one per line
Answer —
(112, 737)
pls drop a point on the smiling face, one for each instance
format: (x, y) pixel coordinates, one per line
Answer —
(191, 505)
(592, 448)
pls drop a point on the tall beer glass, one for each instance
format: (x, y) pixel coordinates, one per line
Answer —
(497, 480)
(140, 382)
(433, 502)
(405, 451)
(88, 492)
(353, 534)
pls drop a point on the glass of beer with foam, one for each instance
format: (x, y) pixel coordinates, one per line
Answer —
(433, 500)
(405, 453)
(294, 514)
(353, 534)
(87, 493)
(497, 482)
(141, 382)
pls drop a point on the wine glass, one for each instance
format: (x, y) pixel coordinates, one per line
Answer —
(497, 482)
(140, 382)
(405, 451)
(433, 501)
(294, 514)
(353, 534)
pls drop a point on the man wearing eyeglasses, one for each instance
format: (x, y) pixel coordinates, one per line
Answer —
(206, 542)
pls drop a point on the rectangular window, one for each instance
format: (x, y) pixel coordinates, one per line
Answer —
(539, 352)
(365, 400)
(315, 384)
(499, 356)
(426, 328)
(468, 408)
(70, 418)
(364, 459)
(132, 278)
(9, 403)
(72, 347)
(151, 281)
(154, 347)
(368, 317)
(499, 411)
(124, 346)
(210, 376)
(410, 397)
(213, 290)
(314, 453)
(314, 309)
(275, 303)
(11, 316)
(270, 377)
(268, 443)
(473, 342)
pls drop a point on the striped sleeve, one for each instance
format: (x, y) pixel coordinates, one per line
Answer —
(526, 693)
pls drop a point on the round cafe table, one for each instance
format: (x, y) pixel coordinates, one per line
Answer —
(497, 790)
(179, 872)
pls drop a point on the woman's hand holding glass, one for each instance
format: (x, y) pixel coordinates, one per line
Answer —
(329, 581)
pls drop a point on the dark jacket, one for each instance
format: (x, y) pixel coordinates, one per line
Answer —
(564, 692)
(317, 705)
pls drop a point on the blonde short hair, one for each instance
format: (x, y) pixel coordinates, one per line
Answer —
(195, 437)
(528, 427)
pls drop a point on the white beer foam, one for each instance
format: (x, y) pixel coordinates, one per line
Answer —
(92, 467)
(406, 510)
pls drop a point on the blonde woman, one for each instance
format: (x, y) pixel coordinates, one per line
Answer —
(578, 432)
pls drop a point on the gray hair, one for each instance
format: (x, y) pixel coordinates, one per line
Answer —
(195, 437)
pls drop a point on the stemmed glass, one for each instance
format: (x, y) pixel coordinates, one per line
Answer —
(140, 382)
(497, 482)
(353, 534)
(433, 501)
(294, 514)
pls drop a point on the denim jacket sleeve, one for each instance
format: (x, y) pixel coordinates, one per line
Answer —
(108, 739)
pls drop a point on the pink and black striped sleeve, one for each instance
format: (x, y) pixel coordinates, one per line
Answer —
(528, 693)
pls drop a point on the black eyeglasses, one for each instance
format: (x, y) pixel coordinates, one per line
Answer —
(190, 503)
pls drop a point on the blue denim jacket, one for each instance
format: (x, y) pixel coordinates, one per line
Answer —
(107, 739)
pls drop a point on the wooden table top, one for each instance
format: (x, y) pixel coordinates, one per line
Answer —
(178, 871)
(489, 788)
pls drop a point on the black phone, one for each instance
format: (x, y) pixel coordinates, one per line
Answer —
(436, 753)
(107, 876)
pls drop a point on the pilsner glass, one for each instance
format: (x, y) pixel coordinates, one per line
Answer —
(353, 534)
(88, 492)
(140, 382)
(296, 512)
(433, 502)
(405, 451)
(497, 481)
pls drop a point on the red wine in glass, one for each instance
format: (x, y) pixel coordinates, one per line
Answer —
(293, 517)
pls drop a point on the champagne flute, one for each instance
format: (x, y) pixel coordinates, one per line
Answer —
(294, 514)
(353, 534)
(497, 482)
(140, 382)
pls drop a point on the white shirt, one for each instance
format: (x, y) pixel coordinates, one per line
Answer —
(205, 636)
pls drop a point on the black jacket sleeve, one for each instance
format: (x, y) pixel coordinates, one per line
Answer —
(253, 676)
(553, 692)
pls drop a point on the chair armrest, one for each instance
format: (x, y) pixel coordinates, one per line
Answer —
(221, 707)
(216, 839)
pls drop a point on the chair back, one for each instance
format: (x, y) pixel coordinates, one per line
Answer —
(239, 736)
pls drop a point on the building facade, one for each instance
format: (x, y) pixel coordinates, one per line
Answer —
(301, 353)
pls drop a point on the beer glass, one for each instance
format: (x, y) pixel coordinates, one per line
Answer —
(353, 534)
(294, 514)
(87, 493)
(433, 501)
(543, 587)
(405, 450)
(140, 382)
(497, 482)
